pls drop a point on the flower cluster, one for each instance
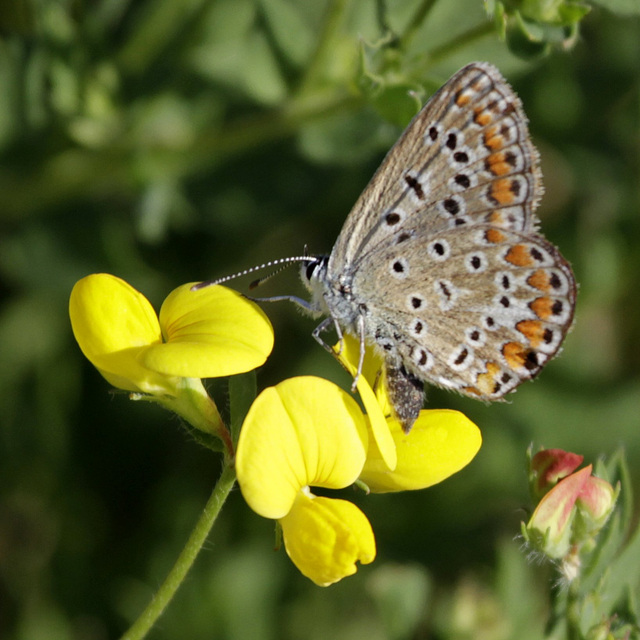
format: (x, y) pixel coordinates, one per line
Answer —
(308, 432)
(304, 432)
(572, 509)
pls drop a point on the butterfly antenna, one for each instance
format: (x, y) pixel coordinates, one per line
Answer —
(281, 263)
(256, 283)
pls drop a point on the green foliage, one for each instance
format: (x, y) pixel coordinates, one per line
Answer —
(167, 141)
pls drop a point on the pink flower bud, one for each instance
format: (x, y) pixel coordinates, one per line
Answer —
(549, 466)
(571, 513)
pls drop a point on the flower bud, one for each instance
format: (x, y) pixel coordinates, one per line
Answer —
(571, 513)
(549, 466)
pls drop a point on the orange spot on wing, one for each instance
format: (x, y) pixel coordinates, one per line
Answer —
(515, 354)
(533, 330)
(493, 139)
(542, 307)
(501, 191)
(490, 132)
(497, 218)
(473, 391)
(482, 117)
(497, 164)
(463, 99)
(519, 256)
(495, 236)
(486, 382)
(493, 368)
(540, 280)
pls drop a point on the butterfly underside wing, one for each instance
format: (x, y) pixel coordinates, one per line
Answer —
(440, 263)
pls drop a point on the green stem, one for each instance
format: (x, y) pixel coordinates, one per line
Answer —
(573, 611)
(198, 536)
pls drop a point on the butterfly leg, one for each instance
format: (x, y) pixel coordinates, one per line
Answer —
(323, 326)
(301, 302)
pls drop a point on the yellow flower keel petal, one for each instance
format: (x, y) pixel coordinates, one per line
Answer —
(326, 538)
(377, 421)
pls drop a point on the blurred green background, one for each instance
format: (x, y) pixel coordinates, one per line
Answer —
(168, 141)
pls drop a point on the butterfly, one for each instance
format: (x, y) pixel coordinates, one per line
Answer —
(440, 265)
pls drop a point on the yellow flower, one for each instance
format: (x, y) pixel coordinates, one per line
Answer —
(207, 333)
(441, 441)
(306, 432)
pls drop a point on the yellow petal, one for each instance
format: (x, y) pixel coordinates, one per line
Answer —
(304, 431)
(114, 325)
(441, 443)
(378, 423)
(325, 538)
(211, 332)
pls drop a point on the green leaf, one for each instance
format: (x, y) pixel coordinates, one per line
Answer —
(624, 573)
(398, 103)
(263, 79)
(572, 12)
(526, 39)
(612, 537)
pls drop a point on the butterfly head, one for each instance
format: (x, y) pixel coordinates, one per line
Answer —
(314, 276)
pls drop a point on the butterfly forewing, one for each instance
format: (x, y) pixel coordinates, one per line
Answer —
(465, 159)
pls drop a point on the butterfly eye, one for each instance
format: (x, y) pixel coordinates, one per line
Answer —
(313, 267)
